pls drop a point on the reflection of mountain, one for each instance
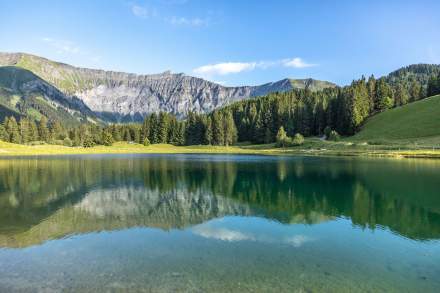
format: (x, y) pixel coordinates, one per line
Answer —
(51, 198)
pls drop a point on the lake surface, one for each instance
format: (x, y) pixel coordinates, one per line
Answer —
(217, 223)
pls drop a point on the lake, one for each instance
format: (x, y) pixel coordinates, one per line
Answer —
(219, 223)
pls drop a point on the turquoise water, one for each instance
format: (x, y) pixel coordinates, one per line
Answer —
(216, 223)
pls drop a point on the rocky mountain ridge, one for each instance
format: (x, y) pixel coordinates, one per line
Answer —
(119, 97)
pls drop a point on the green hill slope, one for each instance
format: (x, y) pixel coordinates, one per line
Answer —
(417, 122)
(22, 93)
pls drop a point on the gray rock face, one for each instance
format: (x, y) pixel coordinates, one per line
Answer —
(123, 96)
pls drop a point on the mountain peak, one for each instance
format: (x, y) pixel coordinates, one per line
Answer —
(120, 96)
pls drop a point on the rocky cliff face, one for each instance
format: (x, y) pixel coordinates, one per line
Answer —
(117, 96)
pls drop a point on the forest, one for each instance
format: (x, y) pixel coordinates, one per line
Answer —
(275, 117)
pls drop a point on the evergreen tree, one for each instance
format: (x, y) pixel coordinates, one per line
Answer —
(88, 141)
(415, 91)
(402, 95)
(384, 95)
(33, 131)
(3, 133)
(208, 131)
(230, 130)
(107, 138)
(163, 128)
(218, 137)
(43, 130)
(433, 86)
(116, 133)
(145, 129)
(25, 130)
(154, 124)
(12, 130)
(127, 135)
(57, 131)
(180, 134)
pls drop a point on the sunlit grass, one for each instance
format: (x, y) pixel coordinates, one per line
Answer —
(312, 146)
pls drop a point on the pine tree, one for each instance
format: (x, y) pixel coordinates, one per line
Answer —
(218, 137)
(25, 130)
(154, 135)
(43, 129)
(127, 135)
(230, 130)
(180, 134)
(384, 95)
(163, 128)
(57, 131)
(116, 133)
(208, 131)
(3, 133)
(433, 86)
(33, 131)
(402, 95)
(145, 129)
(107, 138)
(415, 91)
(12, 130)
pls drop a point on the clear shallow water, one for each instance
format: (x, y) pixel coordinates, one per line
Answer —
(201, 223)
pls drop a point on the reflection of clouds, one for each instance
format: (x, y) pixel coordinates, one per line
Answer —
(298, 240)
(221, 234)
(218, 230)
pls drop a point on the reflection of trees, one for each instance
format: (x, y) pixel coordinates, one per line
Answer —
(172, 192)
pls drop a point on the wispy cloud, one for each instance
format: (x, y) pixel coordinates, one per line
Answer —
(225, 68)
(195, 22)
(143, 11)
(146, 12)
(296, 63)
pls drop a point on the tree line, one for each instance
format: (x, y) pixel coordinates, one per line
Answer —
(339, 110)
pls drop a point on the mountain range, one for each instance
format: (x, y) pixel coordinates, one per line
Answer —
(33, 86)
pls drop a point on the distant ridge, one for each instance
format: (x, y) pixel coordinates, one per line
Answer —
(120, 97)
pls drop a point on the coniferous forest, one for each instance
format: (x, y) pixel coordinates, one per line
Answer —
(340, 110)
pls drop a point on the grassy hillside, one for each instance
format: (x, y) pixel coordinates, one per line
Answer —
(417, 123)
(22, 93)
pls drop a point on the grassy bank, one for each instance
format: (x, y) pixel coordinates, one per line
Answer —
(312, 146)
(415, 124)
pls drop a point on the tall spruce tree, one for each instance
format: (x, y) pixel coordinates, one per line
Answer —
(13, 130)
(230, 130)
(43, 130)
(218, 137)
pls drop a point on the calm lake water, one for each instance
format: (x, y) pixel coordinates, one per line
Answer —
(216, 223)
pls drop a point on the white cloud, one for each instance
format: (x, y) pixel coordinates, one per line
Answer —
(225, 68)
(236, 67)
(143, 12)
(296, 63)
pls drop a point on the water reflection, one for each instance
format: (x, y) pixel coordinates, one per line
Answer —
(50, 198)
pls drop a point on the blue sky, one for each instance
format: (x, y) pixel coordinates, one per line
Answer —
(231, 42)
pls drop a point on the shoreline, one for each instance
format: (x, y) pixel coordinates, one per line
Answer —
(8, 150)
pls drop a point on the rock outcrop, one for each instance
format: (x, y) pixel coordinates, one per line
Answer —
(118, 96)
